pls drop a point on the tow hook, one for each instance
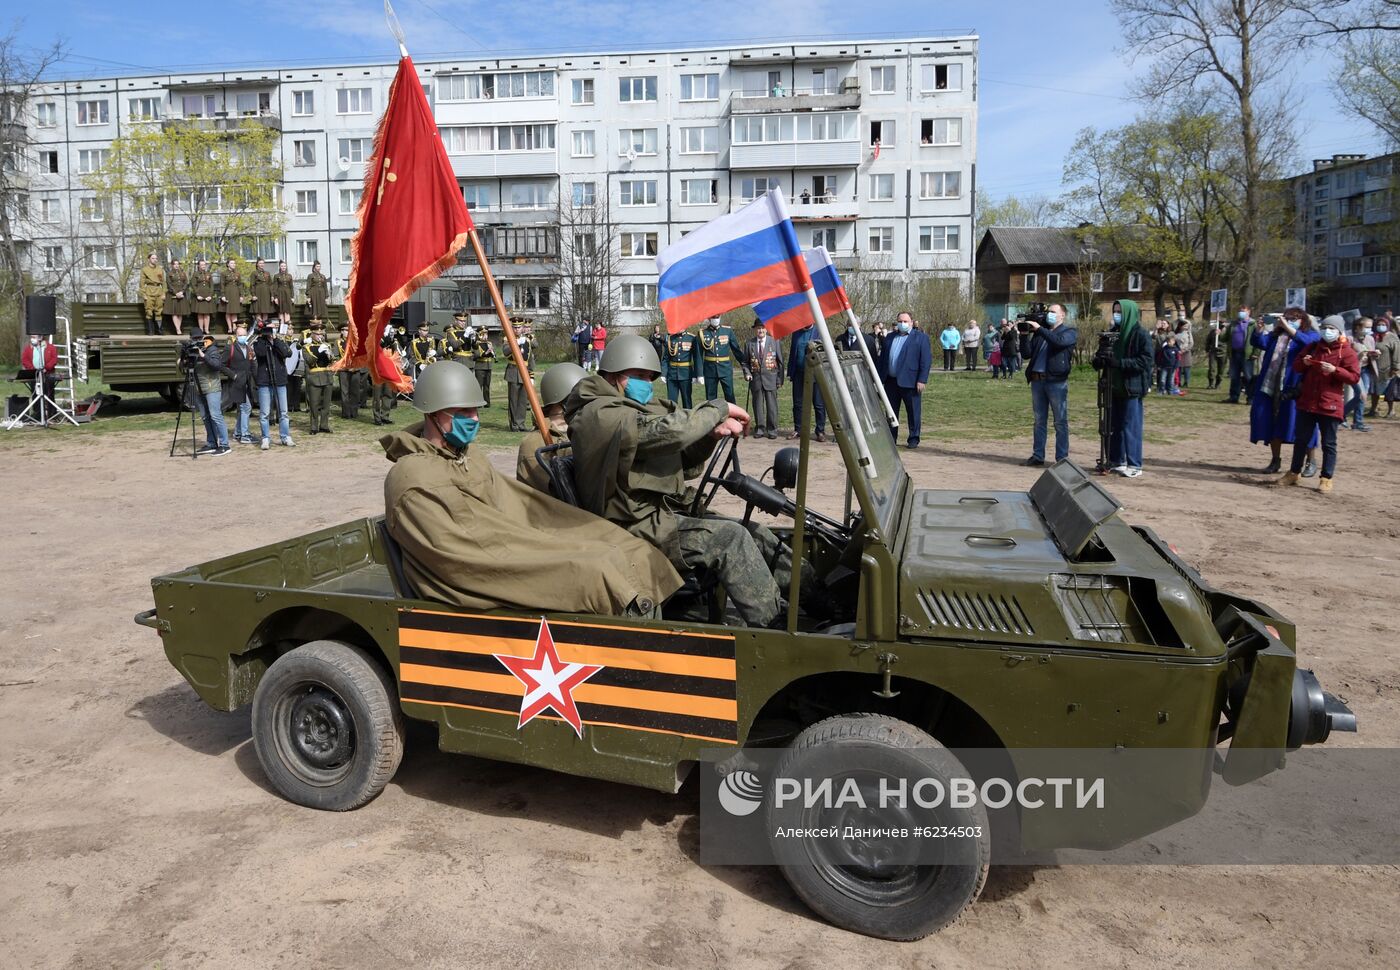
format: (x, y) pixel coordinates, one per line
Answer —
(887, 661)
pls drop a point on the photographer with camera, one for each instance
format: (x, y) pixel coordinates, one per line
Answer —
(1128, 360)
(270, 356)
(1047, 372)
(207, 360)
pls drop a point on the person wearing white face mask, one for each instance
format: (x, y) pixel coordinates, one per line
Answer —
(1327, 367)
(905, 359)
(1387, 367)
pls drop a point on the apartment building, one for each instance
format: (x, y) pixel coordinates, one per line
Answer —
(874, 143)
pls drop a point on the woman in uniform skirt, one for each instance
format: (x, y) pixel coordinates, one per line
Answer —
(317, 293)
(177, 295)
(231, 298)
(283, 290)
(202, 286)
(260, 289)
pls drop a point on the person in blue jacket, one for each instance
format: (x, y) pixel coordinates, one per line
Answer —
(905, 359)
(950, 340)
(796, 368)
(1273, 408)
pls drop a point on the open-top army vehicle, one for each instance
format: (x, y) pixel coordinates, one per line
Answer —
(983, 619)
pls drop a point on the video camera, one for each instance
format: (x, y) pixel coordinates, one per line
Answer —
(190, 351)
(1036, 312)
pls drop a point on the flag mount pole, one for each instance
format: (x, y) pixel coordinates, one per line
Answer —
(514, 345)
(874, 371)
(843, 390)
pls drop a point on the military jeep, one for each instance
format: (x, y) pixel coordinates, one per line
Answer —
(949, 619)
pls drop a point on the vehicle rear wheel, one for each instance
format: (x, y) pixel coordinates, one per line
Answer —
(327, 726)
(170, 393)
(854, 884)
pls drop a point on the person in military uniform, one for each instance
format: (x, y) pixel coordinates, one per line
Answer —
(351, 390)
(483, 356)
(153, 293)
(765, 376)
(383, 395)
(682, 354)
(423, 350)
(260, 292)
(283, 293)
(518, 401)
(202, 288)
(719, 349)
(632, 456)
(177, 294)
(458, 329)
(318, 293)
(452, 513)
(555, 385)
(231, 295)
(455, 345)
(320, 353)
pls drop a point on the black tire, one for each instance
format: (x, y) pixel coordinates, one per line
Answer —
(892, 902)
(170, 393)
(327, 726)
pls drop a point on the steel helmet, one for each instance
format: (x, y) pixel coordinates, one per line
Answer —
(558, 381)
(446, 384)
(629, 352)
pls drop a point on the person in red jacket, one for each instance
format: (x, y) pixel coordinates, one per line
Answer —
(41, 356)
(1327, 366)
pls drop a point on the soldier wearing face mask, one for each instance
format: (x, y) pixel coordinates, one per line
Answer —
(555, 386)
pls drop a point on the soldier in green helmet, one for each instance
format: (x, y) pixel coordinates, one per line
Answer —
(555, 386)
(451, 513)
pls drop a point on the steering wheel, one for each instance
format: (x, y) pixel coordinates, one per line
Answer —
(724, 460)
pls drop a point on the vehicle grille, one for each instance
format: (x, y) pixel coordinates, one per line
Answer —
(983, 612)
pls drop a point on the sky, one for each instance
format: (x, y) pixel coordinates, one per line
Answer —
(1047, 69)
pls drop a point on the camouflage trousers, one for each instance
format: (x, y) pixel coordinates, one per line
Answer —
(754, 566)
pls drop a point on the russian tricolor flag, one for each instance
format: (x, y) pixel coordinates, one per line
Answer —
(789, 314)
(741, 258)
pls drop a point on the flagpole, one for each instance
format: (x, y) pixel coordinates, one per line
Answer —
(843, 390)
(874, 371)
(515, 354)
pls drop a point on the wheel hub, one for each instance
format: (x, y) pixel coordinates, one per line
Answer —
(320, 729)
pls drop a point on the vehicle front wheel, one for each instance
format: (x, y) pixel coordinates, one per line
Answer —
(327, 726)
(872, 887)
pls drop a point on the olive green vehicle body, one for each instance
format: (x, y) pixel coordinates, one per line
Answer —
(968, 609)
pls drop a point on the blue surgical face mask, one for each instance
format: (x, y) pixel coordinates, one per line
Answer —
(904, 326)
(1330, 335)
(637, 390)
(1382, 329)
(462, 432)
(1243, 315)
(243, 338)
(1052, 318)
(1117, 318)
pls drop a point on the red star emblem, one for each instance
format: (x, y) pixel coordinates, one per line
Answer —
(549, 683)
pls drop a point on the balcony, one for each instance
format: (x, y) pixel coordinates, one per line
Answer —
(509, 215)
(491, 164)
(786, 101)
(821, 208)
(804, 154)
(226, 121)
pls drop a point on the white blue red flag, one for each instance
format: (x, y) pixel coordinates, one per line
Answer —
(732, 261)
(791, 313)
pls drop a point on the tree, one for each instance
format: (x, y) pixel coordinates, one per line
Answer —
(588, 257)
(1032, 210)
(186, 190)
(1369, 30)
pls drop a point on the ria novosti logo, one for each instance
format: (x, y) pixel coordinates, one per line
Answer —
(740, 792)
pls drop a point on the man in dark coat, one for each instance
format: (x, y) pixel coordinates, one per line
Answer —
(905, 360)
(241, 392)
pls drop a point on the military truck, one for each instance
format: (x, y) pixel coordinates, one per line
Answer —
(956, 618)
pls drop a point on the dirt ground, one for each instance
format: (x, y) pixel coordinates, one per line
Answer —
(136, 829)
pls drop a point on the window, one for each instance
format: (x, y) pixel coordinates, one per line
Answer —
(1029, 283)
(585, 244)
(881, 188)
(197, 105)
(304, 152)
(882, 133)
(795, 128)
(350, 201)
(49, 210)
(585, 193)
(100, 257)
(48, 162)
(824, 236)
(92, 112)
(532, 296)
(454, 87)
(1134, 282)
(473, 139)
(306, 202)
(303, 103)
(939, 239)
(636, 88)
(882, 80)
(824, 80)
(94, 210)
(99, 296)
(91, 160)
(306, 252)
(639, 296)
(1348, 237)
(52, 256)
(941, 77)
(251, 104)
(582, 90)
(638, 244)
(1052, 282)
(345, 251)
(583, 146)
(144, 109)
(355, 149)
(637, 192)
(752, 188)
(46, 114)
(940, 131)
(699, 191)
(1096, 282)
(477, 196)
(639, 140)
(699, 141)
(530, 195)
(940, 185)
(535, 241)
(699, 87)
(1320, 210)
(881, 239)
(354, 101)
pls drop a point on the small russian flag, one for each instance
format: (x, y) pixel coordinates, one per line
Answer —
(789, 314)
(737, 259)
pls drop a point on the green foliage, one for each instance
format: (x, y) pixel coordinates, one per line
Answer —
(936, 301)
(1031, 210)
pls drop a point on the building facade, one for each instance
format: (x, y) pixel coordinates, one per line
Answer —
(1345, 221)
(874, 144)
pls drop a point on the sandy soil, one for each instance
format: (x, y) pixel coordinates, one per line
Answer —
(136, 829)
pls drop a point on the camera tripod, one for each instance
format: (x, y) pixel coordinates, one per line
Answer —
(1105, 406)
(185, 398)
